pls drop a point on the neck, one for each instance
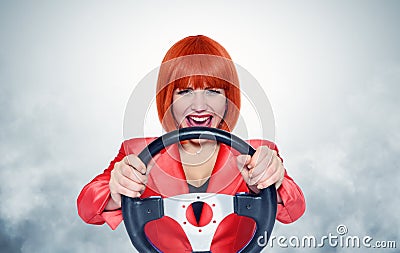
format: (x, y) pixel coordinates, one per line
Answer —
(196, 147)
(195, 153)
(198, 160)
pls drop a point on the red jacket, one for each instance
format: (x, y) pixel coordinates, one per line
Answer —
(232, 234)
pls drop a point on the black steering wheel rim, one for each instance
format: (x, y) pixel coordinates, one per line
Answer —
(261, 207)
(194, 133)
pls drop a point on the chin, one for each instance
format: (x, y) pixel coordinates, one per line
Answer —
(198, 141)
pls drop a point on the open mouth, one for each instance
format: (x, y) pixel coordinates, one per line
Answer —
(199, 120)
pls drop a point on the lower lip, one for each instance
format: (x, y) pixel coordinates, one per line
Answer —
(191, 123)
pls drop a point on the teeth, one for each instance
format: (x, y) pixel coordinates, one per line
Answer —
(203, 119)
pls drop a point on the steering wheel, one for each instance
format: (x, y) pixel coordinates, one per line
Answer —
(261, 207)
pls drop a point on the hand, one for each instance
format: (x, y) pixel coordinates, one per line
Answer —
(128, 178)
(261, 170)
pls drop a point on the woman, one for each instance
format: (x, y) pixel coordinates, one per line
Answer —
(197, 86)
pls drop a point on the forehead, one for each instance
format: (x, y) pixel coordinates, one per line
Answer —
(200, 82)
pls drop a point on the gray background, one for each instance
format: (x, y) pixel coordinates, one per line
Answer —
(331, 70)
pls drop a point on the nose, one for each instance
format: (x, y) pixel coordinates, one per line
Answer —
(199, 101)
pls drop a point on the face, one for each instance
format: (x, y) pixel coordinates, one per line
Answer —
(198, 107)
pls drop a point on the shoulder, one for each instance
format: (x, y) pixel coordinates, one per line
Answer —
(255, 143)
(136, 145)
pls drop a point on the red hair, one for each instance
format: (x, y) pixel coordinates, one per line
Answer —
(197, 62)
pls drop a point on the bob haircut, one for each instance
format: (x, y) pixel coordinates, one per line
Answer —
(197, 62)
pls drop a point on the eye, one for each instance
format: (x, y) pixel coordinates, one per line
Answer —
(213, 91)
(184, 91)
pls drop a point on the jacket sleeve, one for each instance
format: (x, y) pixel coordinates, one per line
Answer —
(293, 203)
(95, 195)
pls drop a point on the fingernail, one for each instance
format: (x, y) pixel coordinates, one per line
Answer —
(249, 166)
(259, 187)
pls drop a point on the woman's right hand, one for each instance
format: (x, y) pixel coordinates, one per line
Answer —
(128, 178)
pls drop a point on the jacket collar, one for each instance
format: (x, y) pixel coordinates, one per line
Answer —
(167, 177)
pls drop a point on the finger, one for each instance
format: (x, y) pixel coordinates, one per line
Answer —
(261, 154)
(131, 185)
(263, 172)
(118, 181)
(259, 170)
(266, 167)
(273, 179)
(120, 177)
(267, 183)
(116, 197)
(258, 173)
(117, 189)
(242, 161)
(135, 162)
(126, 192)
(133, 174)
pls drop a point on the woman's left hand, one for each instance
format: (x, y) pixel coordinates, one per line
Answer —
(262, 169)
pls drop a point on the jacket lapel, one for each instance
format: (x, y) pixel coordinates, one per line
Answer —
(166, 177)
(225, 178)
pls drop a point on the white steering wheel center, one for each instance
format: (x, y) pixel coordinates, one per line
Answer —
(199, 237)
